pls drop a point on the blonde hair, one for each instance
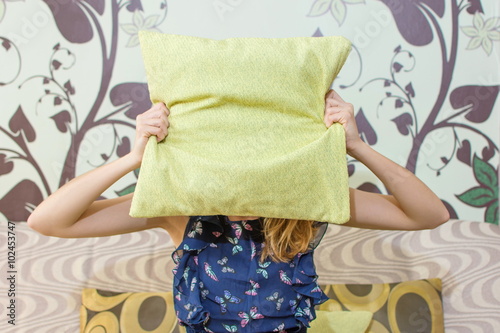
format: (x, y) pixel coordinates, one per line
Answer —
(285, 238)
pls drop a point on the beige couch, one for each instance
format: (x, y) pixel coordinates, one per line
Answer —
(52, 272)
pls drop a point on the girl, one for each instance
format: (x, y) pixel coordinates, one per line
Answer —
(237, 273)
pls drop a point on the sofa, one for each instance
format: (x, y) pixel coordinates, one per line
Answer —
(52, 274)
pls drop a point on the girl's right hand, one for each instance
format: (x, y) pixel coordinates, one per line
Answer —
(339, 111)
(152, 122)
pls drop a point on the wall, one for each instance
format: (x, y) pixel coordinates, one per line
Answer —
(423, 76)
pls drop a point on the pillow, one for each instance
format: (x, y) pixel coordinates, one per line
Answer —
(409, 306)
(340, 322)
(130, 312)
(153, 312)
(246, 134)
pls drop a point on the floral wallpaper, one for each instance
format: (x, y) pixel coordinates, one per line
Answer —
(423, 76)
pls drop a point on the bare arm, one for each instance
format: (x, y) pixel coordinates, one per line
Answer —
(411, 205)
(73, 211)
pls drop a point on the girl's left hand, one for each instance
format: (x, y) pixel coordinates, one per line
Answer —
(339, 111)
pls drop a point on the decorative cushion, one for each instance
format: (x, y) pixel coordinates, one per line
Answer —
(409, 306)
(136, 312)
(112, 312)
(246, 134)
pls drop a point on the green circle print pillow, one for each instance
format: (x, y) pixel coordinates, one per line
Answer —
(246, 135)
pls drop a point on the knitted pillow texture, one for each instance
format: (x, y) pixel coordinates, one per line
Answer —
(246, 135)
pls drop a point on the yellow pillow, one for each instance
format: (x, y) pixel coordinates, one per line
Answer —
(153, 312)
(341, 322)
(246, 134)
(407, 306)
(127, 312)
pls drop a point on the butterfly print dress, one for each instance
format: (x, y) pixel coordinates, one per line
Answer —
(220, 284)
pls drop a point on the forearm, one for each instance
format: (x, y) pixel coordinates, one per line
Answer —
(418, 203)
(65, 206)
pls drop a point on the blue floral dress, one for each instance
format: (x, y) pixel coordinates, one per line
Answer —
(220, 285)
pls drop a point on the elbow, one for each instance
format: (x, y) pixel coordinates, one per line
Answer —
(37, 224)
(430, 221)
(445, 216)
(442, 217)
(32, 223)
(438, 219)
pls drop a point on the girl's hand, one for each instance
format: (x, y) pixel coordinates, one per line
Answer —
(339, 111)
(152, 122)
(411, 204)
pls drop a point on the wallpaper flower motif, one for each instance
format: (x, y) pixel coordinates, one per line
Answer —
(483, 33)
(337, 8)
(139, 22)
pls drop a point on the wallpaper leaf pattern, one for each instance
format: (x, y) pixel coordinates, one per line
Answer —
(413, 13)
(18, 210)
(130, 98)
(462, 109)
(474, 102)
(68, 12)
(486, 194)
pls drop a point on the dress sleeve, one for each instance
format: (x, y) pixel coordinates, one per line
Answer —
(321, 229)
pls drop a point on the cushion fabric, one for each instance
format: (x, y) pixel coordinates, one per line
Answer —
(153, 312)
(341, 322)
(246, 135)
(406, 306)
